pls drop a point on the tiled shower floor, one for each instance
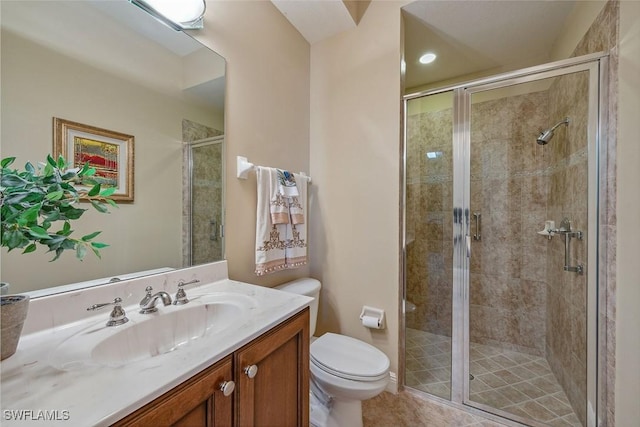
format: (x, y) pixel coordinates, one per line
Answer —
(514, 382)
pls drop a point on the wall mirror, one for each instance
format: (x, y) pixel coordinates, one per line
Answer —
(109, 65)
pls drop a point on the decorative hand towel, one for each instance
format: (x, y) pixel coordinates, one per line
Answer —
(289, 188)
(278, 246)
(284, 194)
(270, 249)
(296, 209)
(287, 183)
(279, 204)
(296, 243)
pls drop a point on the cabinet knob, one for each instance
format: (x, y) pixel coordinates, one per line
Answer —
(251, 371)
(227, 387)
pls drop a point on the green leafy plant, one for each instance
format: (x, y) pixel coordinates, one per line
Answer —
(34, 199)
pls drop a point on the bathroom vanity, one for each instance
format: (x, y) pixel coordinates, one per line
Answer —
(236, 354)
(265, 383)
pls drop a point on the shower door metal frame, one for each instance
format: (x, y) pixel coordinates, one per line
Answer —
(597, 66)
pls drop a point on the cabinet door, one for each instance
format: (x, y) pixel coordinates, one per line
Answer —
(278, 394)
(198, 402)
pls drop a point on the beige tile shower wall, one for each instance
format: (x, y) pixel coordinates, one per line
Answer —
(509, 188)
(566, 323)
(567, 292)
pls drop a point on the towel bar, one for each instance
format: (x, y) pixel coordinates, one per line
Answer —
(244, 167)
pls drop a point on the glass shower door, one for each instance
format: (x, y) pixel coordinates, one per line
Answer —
(501, 242)
(527, 270)
(428, 262)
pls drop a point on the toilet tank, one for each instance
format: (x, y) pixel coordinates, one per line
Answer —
(308, 287)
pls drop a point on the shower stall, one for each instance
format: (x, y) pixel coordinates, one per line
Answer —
(501, 180)
(205, 201)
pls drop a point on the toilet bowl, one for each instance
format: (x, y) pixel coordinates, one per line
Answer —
(344, 370)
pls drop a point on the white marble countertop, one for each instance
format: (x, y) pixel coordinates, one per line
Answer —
(32, 389)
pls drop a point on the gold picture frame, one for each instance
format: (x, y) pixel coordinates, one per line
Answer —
(109, 152)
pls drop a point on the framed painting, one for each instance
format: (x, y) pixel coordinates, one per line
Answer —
(109, 152)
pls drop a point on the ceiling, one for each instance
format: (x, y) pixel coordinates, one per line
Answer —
(316, 20)
(471, 36)
(175, 63)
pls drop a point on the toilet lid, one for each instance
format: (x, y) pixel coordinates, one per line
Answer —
(349, 358)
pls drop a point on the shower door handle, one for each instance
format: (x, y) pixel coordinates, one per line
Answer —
(214, 230)
(476, 217)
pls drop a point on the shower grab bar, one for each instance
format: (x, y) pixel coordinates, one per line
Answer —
(565, 228)
(476, 217)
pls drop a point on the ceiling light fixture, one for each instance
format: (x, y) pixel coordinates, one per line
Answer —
(179, 15)
(427, 58)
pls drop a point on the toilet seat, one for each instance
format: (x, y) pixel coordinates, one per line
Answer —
(349, 358)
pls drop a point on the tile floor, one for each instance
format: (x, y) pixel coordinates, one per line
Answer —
(408, 410)
(513, 382)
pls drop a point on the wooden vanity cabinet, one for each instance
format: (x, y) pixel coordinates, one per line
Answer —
(277, 392)
(198, 401)
(271, 375)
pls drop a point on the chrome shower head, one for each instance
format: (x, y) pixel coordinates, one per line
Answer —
(546, 135)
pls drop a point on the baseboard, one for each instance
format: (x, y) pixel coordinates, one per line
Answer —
(392, 386)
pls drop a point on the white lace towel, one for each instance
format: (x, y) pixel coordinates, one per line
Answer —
(279, 246)
(296, 244)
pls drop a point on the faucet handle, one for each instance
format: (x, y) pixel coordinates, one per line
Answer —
(181, 295)
(117, 316)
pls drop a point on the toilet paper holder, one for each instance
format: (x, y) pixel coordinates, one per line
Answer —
(372, 317)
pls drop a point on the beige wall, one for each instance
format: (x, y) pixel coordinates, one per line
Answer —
(267, 114)
(628, 207)
(575, 27)
(355, 134)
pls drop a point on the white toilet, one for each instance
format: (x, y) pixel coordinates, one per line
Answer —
(344, 371)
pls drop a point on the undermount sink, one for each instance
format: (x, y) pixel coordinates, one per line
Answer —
(150, 335)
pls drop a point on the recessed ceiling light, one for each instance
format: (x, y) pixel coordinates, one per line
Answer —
(427, 58)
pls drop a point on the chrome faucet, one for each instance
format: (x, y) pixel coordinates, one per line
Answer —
(148, 303)
(117, 316)
(181, 295)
